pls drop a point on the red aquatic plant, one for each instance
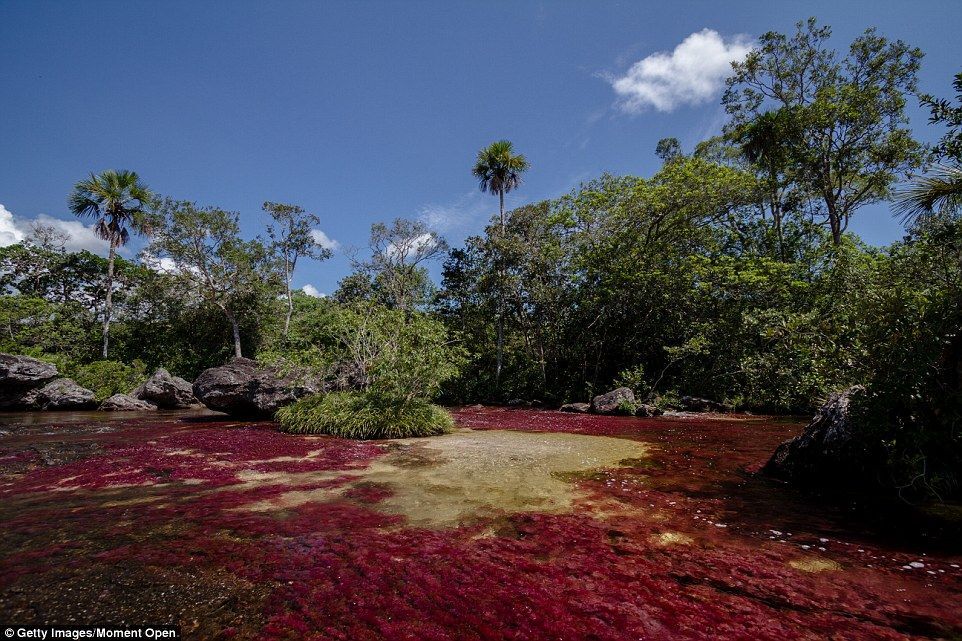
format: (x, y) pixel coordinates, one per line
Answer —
(683, 544)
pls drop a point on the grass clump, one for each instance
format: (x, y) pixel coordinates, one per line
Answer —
(364, 415)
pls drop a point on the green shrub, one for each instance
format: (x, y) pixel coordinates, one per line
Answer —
(106, 378)
(364, 415)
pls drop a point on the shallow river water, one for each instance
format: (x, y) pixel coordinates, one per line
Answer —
(521, 524)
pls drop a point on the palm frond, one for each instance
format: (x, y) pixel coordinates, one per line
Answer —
(939, 191)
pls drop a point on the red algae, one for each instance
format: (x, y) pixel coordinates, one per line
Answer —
(681, 543)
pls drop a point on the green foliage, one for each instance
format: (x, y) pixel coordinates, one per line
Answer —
(401, 355)
(36, 327)
(833, 126)
(364, 415)
(395, 275)
(205, 252)
(635, 379)
(106, 378)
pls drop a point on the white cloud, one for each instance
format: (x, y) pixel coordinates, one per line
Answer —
(10, 233)
(691, 74)
(79, 236)
(414, 246)
(310, 290)
(324, 240)
(163, 265)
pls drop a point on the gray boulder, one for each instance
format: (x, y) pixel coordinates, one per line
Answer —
(245, 388)
(21, 375)
(576, 408)
(644, 409)
(24, 371)
(61, 394)
(696, 404)
(166, 391)
(613, 402)
(826, 447)
(125, 403)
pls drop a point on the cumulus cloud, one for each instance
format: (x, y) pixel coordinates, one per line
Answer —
(10, 233)
(79, 236)
(691, 74)
(412, 246)
(324, 240)
(310, 290)
(164, 265)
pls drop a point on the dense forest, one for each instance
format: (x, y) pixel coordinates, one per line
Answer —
(729, 274)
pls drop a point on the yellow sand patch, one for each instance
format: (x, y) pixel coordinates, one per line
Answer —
(443, 481)
(671, 538)
(813, 564)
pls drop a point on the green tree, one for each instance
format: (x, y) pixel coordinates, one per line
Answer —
(202, 246)
(291, 239)
(394, 273)
(499, 171)
(940, 190)
(116, 200)
(852, 141)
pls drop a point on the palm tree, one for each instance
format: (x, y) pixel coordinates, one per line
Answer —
(938, 191)
(499, 170)
(116, 200)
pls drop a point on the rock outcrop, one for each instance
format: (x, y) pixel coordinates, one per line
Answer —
(30, 384)
(60, 394)
(646, 410)
(576, 408)
(617, 401)
(826, 448)
(126, 403)
(20, 377)
(166, 391)
(24, 371)
(245, 388)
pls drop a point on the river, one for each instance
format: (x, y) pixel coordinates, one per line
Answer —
(522, 524)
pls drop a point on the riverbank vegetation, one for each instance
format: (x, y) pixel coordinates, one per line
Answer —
(729, 274)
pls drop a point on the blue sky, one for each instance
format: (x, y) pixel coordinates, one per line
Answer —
(366, 111)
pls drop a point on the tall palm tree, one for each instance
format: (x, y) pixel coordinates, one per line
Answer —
(940, 190)
(116, 200)
(499, 170)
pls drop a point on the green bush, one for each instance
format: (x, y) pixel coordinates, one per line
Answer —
(364, 415)
(106, 378)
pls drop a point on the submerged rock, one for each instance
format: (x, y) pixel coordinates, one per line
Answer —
(166, 391)
(614, 402)
(61, 394)
(577, 408)
(826, 448)
(245, 388)
(125, 403)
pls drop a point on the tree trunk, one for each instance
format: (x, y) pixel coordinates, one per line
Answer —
(834, 219)
(290, 301)
(235, 328)
(500, 311)
(109, 304)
